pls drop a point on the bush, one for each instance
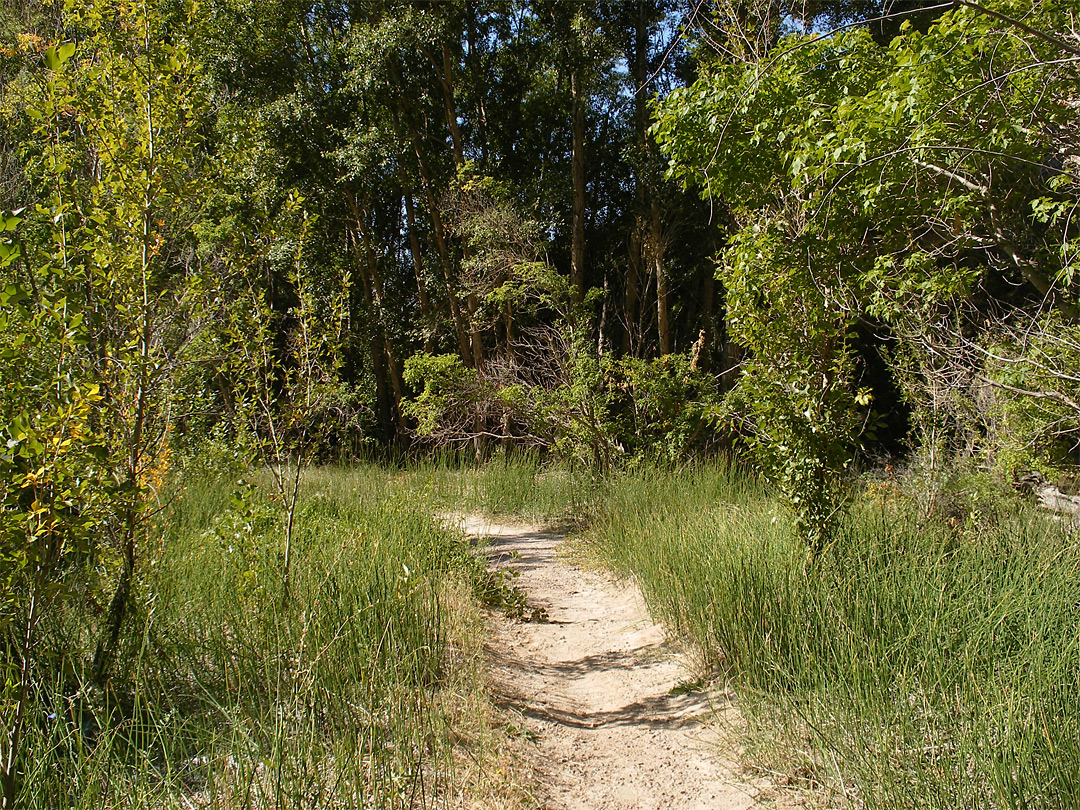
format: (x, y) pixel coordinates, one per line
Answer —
(595, 411)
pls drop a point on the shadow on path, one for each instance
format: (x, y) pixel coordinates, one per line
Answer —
(599, 687)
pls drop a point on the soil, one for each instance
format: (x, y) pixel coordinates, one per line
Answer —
(616, 714)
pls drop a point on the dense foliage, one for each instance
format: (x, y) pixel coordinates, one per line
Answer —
(260, 235)
(923, 190)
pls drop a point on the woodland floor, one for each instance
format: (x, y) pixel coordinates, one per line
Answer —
(608, 701)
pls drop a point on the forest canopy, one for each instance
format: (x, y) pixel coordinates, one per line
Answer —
(602, 229)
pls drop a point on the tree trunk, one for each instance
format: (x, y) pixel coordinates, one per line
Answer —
(446, 79)
(708, 291)
(639, 67)
(9, 768)
(384, 399)
(508, 326)
(393, 367)
(386, 366)
(577, 240)
(602, 341)
(656, 252)
(438, 232)
(383, 395)
(105, 651)
(472, 302)
(418, 267)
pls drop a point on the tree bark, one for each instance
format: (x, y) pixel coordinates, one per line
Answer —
(418, 268)
(384, 400)
(368, 267)
(636, 270)
(438, 233)
(393, 366)
(656, 252)
(383, 396)
(602, 341)
(446, 79)
(105, 651)
(708, 292)
(577, 239)
(631, 335)
(407, 128)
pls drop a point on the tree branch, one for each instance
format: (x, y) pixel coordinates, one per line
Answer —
(1027, 29)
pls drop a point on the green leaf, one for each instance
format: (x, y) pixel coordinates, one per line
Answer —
(12, 294)
(55, 56)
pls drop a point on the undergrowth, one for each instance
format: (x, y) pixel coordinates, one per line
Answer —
(917, 663)
(926, 659)
(228, 694)
(522, 485)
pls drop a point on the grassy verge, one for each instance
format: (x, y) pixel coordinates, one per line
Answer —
(227, 695)
(915, 665)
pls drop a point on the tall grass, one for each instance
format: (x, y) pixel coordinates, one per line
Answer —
(231, 695)
(522, 485)
(915, 665)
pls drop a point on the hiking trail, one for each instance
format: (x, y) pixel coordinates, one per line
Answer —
(609, 701)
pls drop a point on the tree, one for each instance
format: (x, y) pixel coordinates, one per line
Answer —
(872, 185)
(288, 400)
(53, 499)
(104, 299)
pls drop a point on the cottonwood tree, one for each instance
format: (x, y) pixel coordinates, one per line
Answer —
(102, 304)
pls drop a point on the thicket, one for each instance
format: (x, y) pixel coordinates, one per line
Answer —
(920, 189)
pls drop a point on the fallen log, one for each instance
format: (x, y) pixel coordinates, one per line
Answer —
(1049, 496)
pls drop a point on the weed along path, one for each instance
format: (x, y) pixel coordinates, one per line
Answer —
(587, 676)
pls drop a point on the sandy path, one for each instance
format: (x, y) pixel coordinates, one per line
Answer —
(594, 685)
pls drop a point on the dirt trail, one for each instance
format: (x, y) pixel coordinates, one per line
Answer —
(598, 688)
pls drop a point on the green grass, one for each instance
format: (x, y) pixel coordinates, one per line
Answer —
(522, 486)
(227, 696)
(911, 666)
(915, 664)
